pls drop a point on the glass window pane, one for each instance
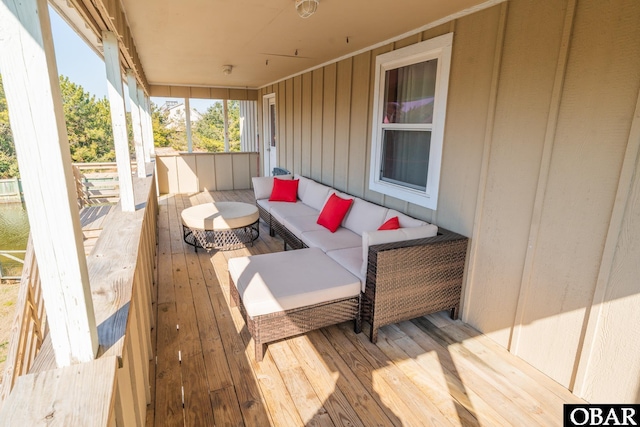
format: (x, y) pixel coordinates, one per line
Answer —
(405, 157)
(409, 93)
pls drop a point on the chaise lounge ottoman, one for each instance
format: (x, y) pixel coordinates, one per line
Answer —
(285, 294)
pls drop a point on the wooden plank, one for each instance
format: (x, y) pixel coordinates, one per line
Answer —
(429, 383)
(357, 177)
(241, 171)
(306, 131)
(480, 343)
(395, 379)
(297, 123)
(226, 411)
(224, 171)
(276, 396)
(281, 127)
(168, 383)
(249, 397)
(328, 123)
(317, 92)
(197, 405)
(365, 404)
(213, 352)
(516, 405)
(343, 118)
(205, 164)
(310, 407)
(187, 174)
(288, 130)
(90, 386)
(323, 382)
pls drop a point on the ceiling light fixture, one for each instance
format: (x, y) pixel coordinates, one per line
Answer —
(226, 69)
(306, 8)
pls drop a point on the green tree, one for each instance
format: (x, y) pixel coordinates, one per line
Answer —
(8, 160)
(209, 131)
(88, 124)
(163, 134)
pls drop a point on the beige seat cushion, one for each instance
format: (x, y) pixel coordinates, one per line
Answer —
(328, 241)
(280, 281)
(219, 216)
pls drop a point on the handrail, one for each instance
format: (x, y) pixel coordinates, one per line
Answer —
(29, 326)
(7, 254)
(121, 274)
(96, 183)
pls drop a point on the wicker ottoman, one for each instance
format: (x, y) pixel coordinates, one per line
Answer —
(222, 225)
(284, 294)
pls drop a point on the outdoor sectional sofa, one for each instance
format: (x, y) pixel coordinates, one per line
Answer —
(402, 274)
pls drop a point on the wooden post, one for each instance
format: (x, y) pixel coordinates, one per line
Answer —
(145, 122)
(187, 118)
(226, 125)
(32, 88)
(118, 119)
(136, 122)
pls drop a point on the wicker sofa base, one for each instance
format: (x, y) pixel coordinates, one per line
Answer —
(421, 278)
(405, 279)
(287, 324)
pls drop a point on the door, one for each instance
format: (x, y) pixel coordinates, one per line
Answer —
(270, 140)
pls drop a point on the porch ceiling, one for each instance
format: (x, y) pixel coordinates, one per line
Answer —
(187, 42)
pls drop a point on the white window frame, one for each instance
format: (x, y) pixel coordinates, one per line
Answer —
(436, 48)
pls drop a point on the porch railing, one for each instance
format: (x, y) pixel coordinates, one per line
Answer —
(29, 325)
(114, 388)
(10, 190)
(97, 183)
(11, 255)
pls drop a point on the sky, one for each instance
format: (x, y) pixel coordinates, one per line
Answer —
(76, 60)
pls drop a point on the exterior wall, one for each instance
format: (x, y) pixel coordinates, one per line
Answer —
(540, 169)
(194, 172)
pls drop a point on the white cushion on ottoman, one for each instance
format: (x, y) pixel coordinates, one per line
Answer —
(280, 281)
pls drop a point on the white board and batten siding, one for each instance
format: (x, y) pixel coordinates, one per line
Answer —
(539, 169)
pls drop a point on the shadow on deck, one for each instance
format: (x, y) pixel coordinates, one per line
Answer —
(429, 371)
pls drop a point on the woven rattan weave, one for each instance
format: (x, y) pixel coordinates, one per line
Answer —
(286, 324)
(413, 278)
(405, 279)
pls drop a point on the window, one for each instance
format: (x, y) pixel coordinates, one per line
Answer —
(409, 110)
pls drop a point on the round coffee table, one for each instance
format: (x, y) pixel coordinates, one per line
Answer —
(222, 225)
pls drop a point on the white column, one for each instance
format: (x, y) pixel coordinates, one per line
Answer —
(136, 123)
(118, 119)
(147, 127)
(187, 118)
(32, 88)
(226, 125)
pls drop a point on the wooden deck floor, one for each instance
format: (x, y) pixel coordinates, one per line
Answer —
(429, 371)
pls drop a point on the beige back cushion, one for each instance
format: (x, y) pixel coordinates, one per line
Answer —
(370, 238)
(263, 185)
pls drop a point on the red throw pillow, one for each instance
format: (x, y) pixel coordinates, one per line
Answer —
(333, 212)
(284, 190)
(391, 224)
